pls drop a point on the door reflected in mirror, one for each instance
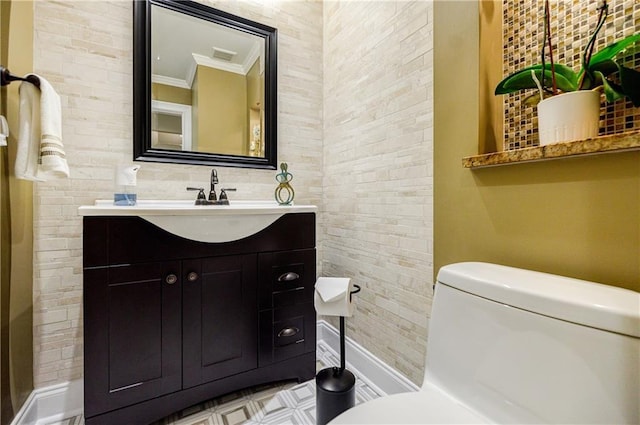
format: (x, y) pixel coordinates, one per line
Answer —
(171, 125)
(208, 84)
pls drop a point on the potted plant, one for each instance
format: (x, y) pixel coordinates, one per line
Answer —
(569, 102)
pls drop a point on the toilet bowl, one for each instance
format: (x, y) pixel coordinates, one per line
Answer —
(508, 345)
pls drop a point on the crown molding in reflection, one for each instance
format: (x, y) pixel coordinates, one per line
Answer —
(252, 57)
(169, 81)
(218, 64)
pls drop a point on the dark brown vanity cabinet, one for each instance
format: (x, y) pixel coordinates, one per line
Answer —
(170, 322)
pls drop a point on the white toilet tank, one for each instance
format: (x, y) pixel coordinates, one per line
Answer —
(519, 346)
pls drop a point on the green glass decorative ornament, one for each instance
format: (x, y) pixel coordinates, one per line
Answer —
(284, 191)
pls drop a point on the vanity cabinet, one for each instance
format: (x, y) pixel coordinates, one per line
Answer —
(170, 322)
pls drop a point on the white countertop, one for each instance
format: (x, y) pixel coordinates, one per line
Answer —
(183, 207)
(204, 223)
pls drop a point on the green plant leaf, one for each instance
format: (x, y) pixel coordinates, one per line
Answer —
(609, 52)
(588, 83)
(566, 79)
(612, 91)
(630, 82)
(605, 67)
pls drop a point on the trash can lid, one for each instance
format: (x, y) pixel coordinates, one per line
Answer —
(333, 379)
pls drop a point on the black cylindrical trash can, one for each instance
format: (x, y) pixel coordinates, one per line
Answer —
(335, 393)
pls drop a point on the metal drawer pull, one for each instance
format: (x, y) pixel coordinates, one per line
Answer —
(288, 332)
(192, 277)
(288, 277)
(171, 279)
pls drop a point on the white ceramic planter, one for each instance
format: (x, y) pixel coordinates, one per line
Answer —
(569, 116)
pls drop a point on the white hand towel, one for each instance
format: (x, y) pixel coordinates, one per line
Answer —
(4, 131)
(29, 133)
(40, 150)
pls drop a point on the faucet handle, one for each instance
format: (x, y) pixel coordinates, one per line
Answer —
(223, 193)
(202, 198)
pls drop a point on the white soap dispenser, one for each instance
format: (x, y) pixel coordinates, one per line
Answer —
(125, 184)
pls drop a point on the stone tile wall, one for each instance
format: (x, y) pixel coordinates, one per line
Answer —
(84, 48)
(378, 150)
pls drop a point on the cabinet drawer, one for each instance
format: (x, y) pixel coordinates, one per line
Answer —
(288, 297)
(287, 332)
(288, 338)
(286, 278)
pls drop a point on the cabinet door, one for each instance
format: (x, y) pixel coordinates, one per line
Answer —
(219, 318)
(132, 334)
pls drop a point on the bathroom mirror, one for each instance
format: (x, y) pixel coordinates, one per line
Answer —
(204, 86)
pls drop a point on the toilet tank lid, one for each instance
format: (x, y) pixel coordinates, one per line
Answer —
(579, 301)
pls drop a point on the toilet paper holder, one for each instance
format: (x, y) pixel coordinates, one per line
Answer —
(358, 289)
(336, 387)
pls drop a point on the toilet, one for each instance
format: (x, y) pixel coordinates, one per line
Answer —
(507, 345)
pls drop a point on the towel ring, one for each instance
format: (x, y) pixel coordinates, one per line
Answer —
(6, 78)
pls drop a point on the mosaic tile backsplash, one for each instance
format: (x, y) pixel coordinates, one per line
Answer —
(572, 23)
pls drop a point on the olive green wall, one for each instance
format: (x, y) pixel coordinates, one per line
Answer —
(6, 410)
(171, 94)
(227, 135)
(573, 217)
(16, 234)
(255, 103)
(255, 88)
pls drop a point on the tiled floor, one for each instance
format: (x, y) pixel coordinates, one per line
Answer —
(278, 403)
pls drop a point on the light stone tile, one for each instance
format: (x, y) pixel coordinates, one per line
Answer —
(49, 356)
(378, 151)
(51, 316)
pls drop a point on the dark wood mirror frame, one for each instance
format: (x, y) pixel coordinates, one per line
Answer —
(142, 150)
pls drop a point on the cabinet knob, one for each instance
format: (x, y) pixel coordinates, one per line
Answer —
(288, 277)
(291, 331)
(171, 279)
(192, 277)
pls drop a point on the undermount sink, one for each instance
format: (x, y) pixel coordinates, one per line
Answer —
(204, 223)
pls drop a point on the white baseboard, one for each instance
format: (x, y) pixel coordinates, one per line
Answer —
(45, 405)
(359, 360)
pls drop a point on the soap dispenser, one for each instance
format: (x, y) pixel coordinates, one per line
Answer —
(125, 185)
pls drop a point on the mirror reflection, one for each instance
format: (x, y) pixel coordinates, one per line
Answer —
(205, 89)
(207, 86)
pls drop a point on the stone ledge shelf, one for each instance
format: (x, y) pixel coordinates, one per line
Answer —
(622, 142)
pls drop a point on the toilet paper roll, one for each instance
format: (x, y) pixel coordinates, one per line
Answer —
(331, 297)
